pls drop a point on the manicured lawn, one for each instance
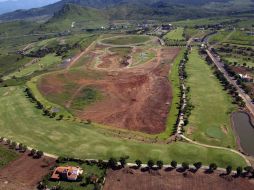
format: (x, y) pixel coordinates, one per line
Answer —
(126, 40)
(6, 156)
(176, 34)
(22, 122)
(210, 119)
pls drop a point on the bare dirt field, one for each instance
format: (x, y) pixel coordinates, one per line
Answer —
(24, 173)
(126, 179)
(134, 97)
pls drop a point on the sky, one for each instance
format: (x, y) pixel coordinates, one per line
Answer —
(11, 5)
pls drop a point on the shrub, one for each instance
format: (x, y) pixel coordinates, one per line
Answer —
(32, 152)
(150, 163)
(239, 171)
(138, 163)
(112, 162)
(13, 145)
(185, 165)
(198, 165)
(39, 154)
(229, 169)
(159, 163)
(173, 164)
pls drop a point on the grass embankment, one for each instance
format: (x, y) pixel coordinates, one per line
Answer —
(22, 122)
(209, 122)
(6, 156)
(126, 40)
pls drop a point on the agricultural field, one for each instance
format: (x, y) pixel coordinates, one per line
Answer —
(30, 127)
(209, 122)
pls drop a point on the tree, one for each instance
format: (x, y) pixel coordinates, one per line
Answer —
(212, 167)
(229, 169)
(138, 163)
(13, 145)
(174, 164)
(248, 169)
(150, 163)
(198, 165)
(122, 161)
(185, 165)
(239, 171)
(112, 162)
(60, 117)
(24, 148)
(39, 154)
(8, 142)
(32, 152)
(159, 163)
(20, 146)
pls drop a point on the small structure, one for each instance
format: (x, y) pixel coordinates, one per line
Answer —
(246, 77)
(68, 173)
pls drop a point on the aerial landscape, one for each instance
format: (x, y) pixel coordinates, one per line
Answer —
(126, 95)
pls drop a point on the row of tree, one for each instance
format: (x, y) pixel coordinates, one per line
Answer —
(113, 163)
(227, 86)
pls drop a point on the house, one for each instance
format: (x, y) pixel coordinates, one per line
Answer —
(246, 77)
(68, 173)
(166, 26)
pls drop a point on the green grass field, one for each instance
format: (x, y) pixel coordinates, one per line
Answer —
(6, 156)
(22, 122)
(126, 40)
(209, 122)
(176, 34)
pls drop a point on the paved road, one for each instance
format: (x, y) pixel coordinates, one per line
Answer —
(242, 94)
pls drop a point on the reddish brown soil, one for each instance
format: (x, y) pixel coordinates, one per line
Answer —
(136, 98)
(24, 173)
(171, 180)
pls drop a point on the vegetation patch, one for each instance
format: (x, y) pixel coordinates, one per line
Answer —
(86, 97)
(7, 156)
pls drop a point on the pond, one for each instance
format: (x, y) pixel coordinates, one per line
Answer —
(245, 131)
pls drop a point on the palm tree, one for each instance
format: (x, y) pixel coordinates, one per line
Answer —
(138, 163)
(150, 163)
(198, 165)
(229, 169)
(159, 163)
(173, 164)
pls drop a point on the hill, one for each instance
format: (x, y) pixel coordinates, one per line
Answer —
(74, 16)
(147, 9)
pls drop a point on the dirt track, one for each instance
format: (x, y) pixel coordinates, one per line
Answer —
(172, 180)
(24, 173)
(136, 98)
